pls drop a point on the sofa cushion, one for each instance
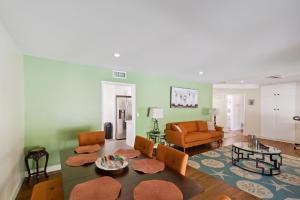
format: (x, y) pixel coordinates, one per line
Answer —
(202, 126)
(177, 127)
(215, 134)
(196, 136)
(189, 126)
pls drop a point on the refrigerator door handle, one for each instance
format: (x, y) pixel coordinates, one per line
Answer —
(120, 114)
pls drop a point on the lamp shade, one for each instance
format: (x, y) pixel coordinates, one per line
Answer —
(156, 113)
(214, 111)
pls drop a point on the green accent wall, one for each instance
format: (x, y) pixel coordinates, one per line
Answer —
(63, 99)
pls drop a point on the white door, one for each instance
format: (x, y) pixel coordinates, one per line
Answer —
(285, 124)
(277, 110)
(268, 117)
(236, 113)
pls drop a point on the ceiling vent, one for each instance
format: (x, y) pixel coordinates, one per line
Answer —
(275, 77)
(119, 74)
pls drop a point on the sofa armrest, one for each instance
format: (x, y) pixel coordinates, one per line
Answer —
(219, 128)
(175, 137)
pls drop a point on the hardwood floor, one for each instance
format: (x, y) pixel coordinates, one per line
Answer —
(26, 188)
(213, 187)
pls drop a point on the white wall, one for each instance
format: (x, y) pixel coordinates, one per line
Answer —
(11, 117)
(252, 113)
(109, 93)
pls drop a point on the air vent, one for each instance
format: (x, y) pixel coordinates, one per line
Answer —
(119, 74)
(274, 76)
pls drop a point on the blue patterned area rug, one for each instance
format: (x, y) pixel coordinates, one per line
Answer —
(285, 186)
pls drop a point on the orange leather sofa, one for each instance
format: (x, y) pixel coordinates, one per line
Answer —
(192, 133)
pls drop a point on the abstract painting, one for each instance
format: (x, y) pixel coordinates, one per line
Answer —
(184, 98)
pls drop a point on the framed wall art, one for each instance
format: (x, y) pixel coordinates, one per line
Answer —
(183, 98)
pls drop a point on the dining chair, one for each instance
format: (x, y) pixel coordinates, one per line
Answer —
(144, 145)
(176, 160)
(51, 189)
(224, 197)
(90, 138)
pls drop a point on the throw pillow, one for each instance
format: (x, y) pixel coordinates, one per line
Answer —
(211, 126)
(176, 128)
(179, 128)
(202, 126)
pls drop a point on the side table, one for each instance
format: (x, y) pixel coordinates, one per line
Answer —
(35, 154)
(157, 138)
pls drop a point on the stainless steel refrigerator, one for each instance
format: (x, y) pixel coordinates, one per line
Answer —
(123, 114)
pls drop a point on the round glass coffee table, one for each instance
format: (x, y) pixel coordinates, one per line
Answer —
(266, 161)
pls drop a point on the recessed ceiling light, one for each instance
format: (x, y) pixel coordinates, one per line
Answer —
(201, 73)
(242, 81)
(117, 55)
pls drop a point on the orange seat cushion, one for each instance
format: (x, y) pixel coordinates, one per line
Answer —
(189, 126)
(215, 134)
(48, 190)
(224, 197)
(197, 136)
(202, 126)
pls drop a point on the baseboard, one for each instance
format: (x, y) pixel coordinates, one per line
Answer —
(17, 189)
(290, 157)
(49, 169)
(278, 140)
(54, 168)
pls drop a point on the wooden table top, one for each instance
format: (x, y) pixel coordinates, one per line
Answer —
(128, 178)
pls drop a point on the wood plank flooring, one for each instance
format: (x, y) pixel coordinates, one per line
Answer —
(213, 187)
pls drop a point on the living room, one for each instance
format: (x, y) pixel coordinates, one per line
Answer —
(229, 70)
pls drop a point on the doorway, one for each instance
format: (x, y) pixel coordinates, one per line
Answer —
(235, 112)
(119, 108)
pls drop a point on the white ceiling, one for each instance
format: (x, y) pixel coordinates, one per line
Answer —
(228, 40)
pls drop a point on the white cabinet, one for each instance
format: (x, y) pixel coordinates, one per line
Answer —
(278, 104)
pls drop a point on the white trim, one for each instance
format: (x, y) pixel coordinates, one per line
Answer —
(278, 140)
(52, 168)
(290, 157)
(118, 83)
(133, 97)
(17, 189)
(235, 86)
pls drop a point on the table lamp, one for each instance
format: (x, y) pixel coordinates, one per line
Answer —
(214, 112)
(156, 113)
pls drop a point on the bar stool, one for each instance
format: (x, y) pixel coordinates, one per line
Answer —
(35, 154)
